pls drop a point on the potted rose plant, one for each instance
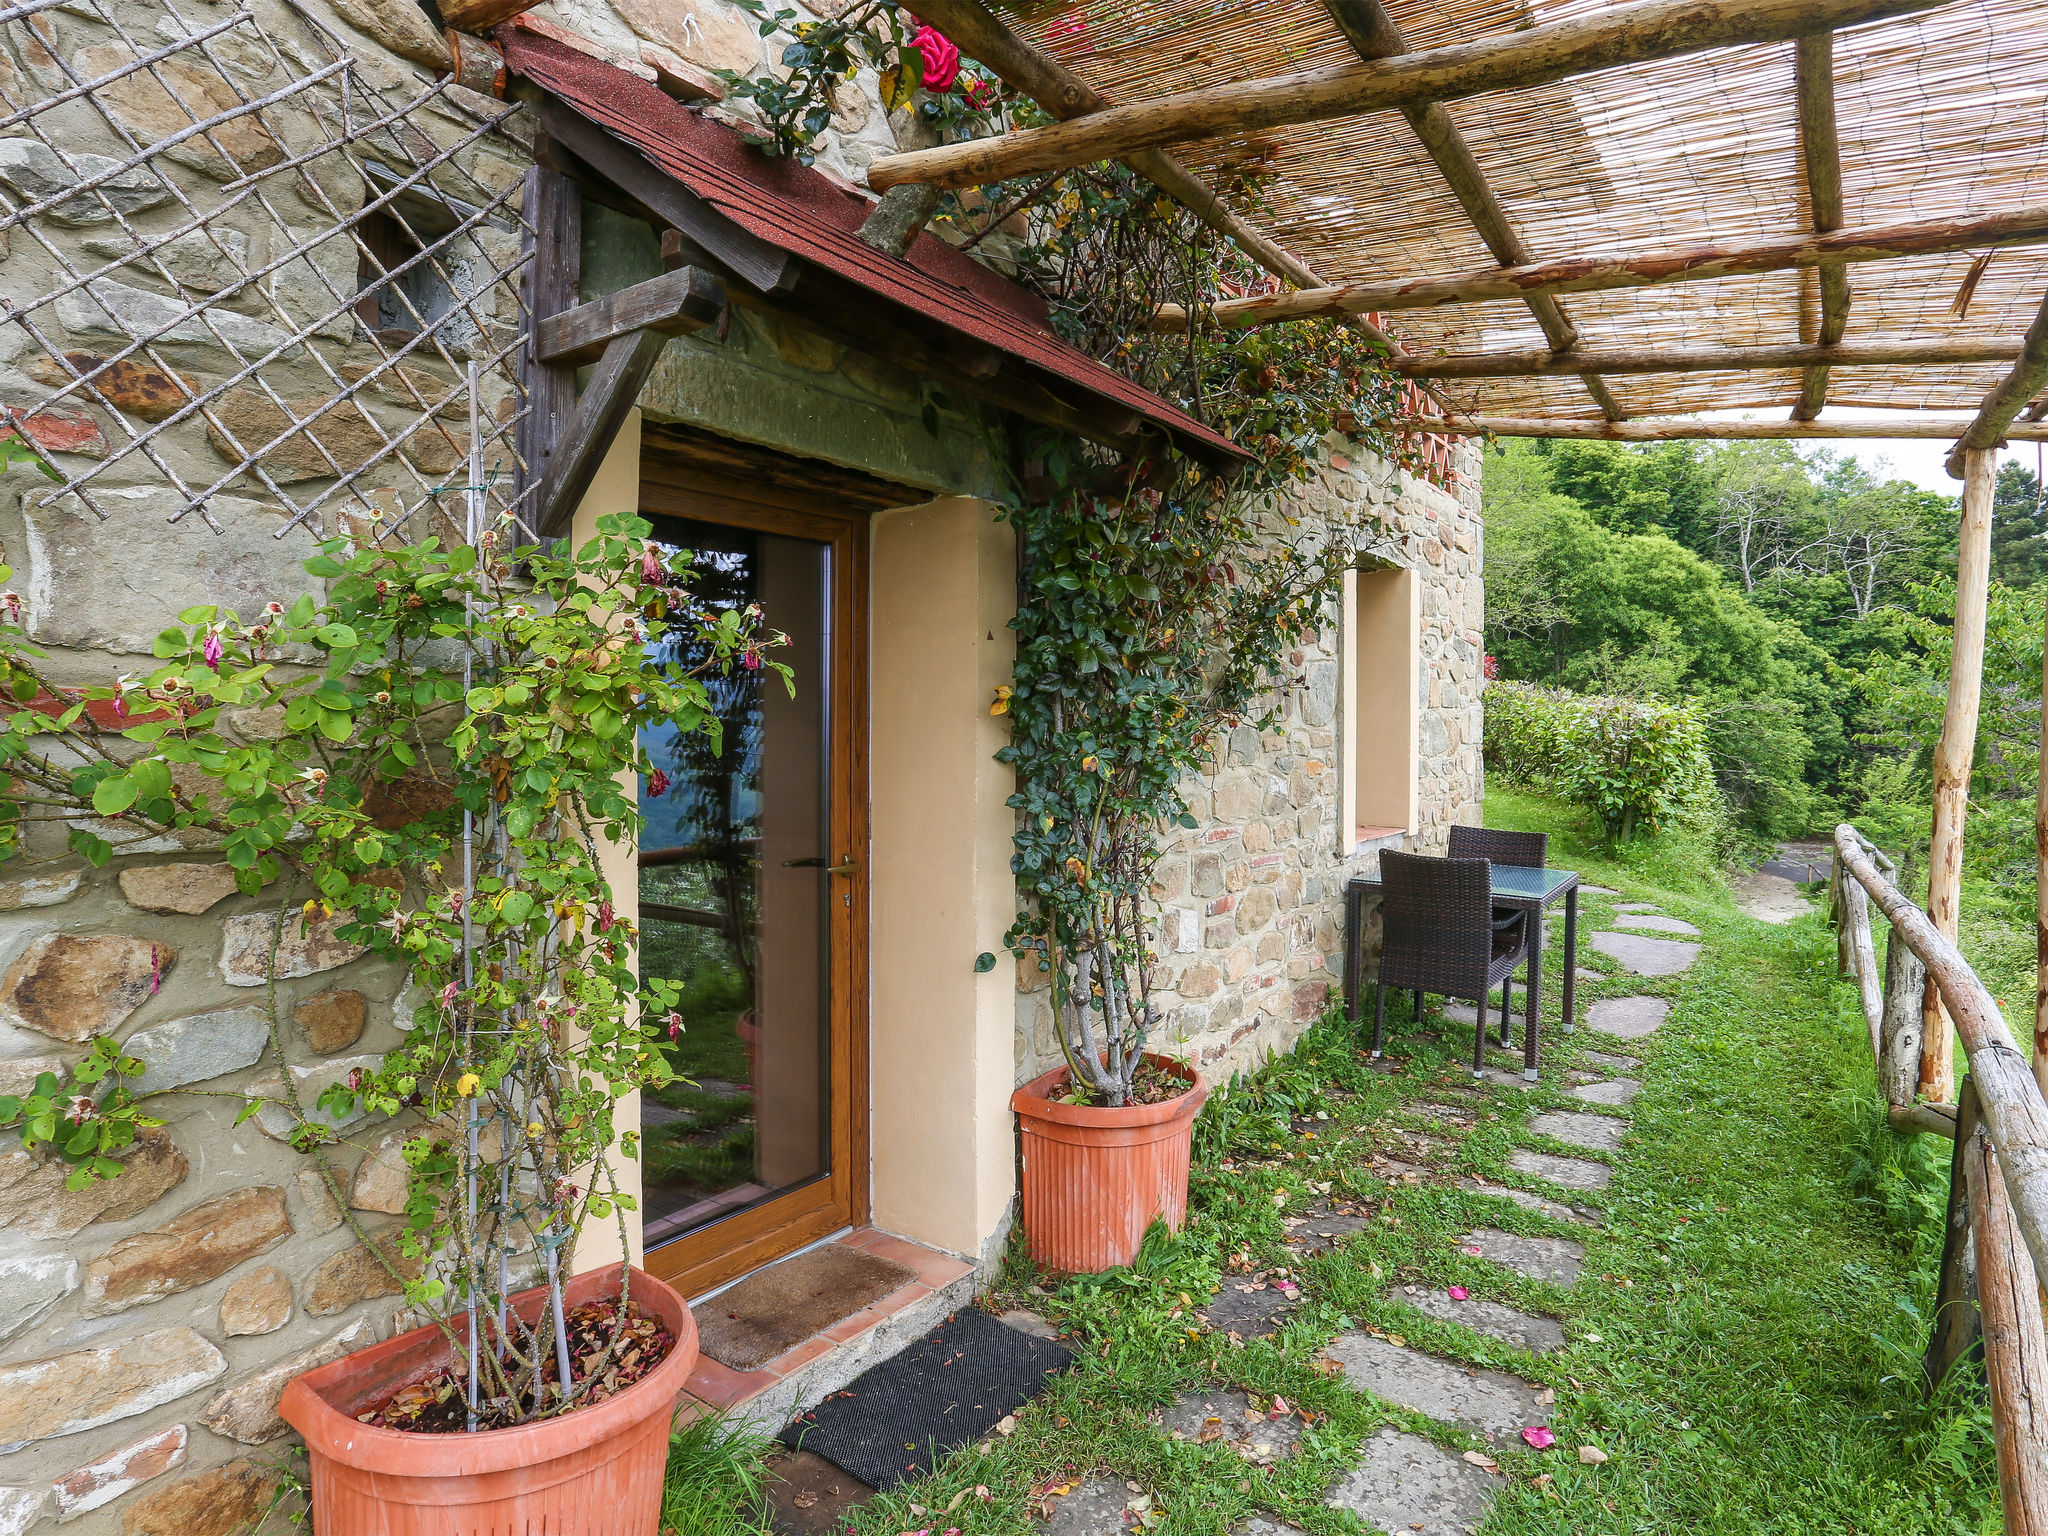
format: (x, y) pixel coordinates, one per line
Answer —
(453, 733)
(1155, 614)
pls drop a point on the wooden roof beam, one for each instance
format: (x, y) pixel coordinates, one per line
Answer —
(1820, 149)
(1373, 34)
(1602, 274)
(982, 36)
(1535, 363)
(1695, 431)
(1538, 55)
(1994, 421)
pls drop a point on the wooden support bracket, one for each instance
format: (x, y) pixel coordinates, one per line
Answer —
(761, 265)
(676, 303)
(613, 389)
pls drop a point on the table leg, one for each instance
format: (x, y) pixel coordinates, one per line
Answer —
(1354, 903)
(1535, 996)
(1571, 956)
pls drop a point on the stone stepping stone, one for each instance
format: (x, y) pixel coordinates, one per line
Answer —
(1628, 1018)
(1490, 1403)
(1529, 1200)
(807, 1495)
(1658, 924)
(1539, 1335)
(1225, 1416)
(1608, 1090)
(1555, 1259)
(1598, 1133)
(1408, 1486)
(1458, 1116)
(1394, 1171)
(1646, 956)
(1248, 1313)
(1102, 1506)
(1317, 1230)
(1500, 1077)
(1600, 890)
(1571, 1172)
(1637, 906)
(1611, 1063)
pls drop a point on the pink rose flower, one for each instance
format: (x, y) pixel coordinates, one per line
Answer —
(941, 59)
(211, 650)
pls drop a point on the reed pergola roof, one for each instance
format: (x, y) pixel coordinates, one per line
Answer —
(1938, 115)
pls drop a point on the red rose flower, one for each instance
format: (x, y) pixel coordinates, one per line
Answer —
(657, 784)
(941, 59)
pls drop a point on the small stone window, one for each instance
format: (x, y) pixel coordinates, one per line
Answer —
(433, 293)
(1381, 702)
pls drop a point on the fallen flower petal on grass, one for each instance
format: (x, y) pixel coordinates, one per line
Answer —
(1539, 1437)
(1459, 1293)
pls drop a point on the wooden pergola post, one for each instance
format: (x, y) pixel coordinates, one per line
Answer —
(1954, 753)
(2041, 889)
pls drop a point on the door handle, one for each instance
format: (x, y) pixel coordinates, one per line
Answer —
(819, 863)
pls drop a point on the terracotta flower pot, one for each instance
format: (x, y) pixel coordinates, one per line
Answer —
(594, 1472)
(1095, 1179)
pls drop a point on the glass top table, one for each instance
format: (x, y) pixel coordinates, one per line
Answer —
(1512, 885)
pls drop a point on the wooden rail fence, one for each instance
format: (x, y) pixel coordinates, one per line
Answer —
(1997, 1233)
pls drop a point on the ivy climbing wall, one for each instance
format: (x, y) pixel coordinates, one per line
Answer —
(1250, 946)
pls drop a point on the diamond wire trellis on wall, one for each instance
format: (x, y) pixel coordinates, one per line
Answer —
(243, 265)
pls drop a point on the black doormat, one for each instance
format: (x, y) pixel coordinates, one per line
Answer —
(949, 1388)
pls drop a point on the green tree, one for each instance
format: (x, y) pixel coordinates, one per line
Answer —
(2019, 529)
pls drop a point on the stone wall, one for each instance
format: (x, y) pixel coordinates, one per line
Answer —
(1250, 944)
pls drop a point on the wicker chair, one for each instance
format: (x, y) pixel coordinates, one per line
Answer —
(1438, 935)
(1523, 850)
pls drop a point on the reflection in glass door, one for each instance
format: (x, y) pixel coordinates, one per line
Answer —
(736, 877)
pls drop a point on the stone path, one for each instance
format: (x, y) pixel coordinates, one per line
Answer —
(1627, 1018)
(1406, 1483)
(1656, 923)
(1571, 1172)
(1645, 956)
(1490, 1403)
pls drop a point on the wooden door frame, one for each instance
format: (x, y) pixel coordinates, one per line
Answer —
(728, 1248)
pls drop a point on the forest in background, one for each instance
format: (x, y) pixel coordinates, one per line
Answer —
(1801, 606)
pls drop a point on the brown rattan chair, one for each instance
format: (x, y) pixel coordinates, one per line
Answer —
(1438, 935)
(1524, 850)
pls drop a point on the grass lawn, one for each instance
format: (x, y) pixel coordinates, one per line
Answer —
(1743, 1344)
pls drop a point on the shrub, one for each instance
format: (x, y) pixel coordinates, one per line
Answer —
(1634, 763)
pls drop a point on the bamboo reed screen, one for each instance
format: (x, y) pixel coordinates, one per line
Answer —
(1940, 116)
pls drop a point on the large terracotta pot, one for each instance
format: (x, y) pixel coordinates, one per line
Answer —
(1095, 1179)
(595, 1472)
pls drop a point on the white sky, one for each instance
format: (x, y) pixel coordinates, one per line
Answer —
(1908, 458)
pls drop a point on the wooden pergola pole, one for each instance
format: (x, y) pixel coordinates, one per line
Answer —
(1373, 34)
(1820, 149)
(2041, 890)
(1694, 431)
(1539, 55)
(2010, 395)
(983, 36)
(1954, 753)
(1601, 274)
(1534, 362)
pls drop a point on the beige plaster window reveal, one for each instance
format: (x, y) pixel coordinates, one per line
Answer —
(1381, 717)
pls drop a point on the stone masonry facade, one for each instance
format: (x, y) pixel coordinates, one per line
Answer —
(1250, 941)
(148, 1323)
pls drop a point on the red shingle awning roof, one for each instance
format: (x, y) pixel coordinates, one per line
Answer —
(801, 211)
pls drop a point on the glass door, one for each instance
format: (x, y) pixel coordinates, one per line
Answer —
(748, 876)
